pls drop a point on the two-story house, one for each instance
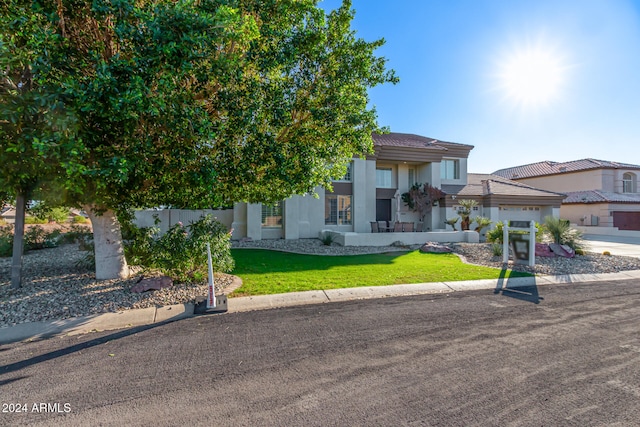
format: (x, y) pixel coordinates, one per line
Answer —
(599, 192)
(372, 188)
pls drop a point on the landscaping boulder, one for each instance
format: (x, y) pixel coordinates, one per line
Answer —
(152, 284)
(562, 250)
(543, 249)
(431, 247)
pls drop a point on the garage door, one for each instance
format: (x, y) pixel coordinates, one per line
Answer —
(626, 220)
(520, 213)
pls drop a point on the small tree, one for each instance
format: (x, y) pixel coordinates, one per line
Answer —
(452, 222)
(420, 198)
(465, 213)
(481, 222)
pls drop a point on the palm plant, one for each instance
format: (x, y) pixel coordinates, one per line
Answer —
(560, 231)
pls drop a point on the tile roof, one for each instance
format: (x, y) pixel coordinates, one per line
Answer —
(552, 168)
(488, 184)
(395, 139)
(597, 196)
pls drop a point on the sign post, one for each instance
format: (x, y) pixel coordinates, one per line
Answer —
(212, 303)
(524, 245)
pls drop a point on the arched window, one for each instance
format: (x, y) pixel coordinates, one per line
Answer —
(629, 183)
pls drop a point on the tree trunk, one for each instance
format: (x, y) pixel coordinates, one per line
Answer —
(109, 250)
(18, 242)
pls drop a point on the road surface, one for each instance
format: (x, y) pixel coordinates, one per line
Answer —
(554, 355)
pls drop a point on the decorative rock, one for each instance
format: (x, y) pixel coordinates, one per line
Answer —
(543, 249)
(431, 247)
(152, 284)
(562, 250)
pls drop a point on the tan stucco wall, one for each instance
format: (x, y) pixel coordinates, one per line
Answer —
(577, 181)
(601, 179)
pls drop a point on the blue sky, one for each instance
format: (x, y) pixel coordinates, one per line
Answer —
(470, 72)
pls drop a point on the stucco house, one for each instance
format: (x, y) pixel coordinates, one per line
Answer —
(598, 192)
(501, 199)
(371, 192)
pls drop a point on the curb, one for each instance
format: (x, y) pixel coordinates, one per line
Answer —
(147, 316)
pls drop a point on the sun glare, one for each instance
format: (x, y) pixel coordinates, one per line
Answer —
(532, 77)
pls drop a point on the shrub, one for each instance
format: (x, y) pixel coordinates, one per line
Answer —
(34, 220)
(327, 239)
(481, 222)
(79, 219)
(606, 253)
(560, 231)
(6, 240)
(452, 222)
(496, 249)
(182, 251)
(38, 238)
(46, 213)
(495, 234)
(77, 234)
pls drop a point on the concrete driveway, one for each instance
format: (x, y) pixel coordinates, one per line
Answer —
(616, 245)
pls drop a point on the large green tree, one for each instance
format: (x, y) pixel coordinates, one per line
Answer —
(34, 124)
(199, 103)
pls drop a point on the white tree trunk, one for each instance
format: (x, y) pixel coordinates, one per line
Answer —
(109, 250)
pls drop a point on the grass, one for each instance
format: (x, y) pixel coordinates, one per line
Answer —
(269, 272)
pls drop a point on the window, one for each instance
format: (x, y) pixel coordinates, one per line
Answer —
(412, 177)
(337, 209)
(272, 215)
(450, 169)
(628, 183)
(383, 178)
(347, 175)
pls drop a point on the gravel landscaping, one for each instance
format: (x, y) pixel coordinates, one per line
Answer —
(55, 287)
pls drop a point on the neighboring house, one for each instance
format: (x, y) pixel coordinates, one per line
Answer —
(599, 193)
(371, 191)
(501, 199)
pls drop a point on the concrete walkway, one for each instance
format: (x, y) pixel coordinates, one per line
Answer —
(149, 316)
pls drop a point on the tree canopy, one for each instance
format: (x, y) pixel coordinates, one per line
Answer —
(190, 103)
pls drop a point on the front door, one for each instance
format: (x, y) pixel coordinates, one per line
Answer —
(383, 209)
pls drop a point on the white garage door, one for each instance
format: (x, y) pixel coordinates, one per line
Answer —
(520, 213)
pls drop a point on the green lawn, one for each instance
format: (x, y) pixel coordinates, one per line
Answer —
(269, 272)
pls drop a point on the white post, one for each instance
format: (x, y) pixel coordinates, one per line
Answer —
(505, 243)
(532, 243)
(211, 300)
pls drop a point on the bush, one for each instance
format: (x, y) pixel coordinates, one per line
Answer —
(37, 238)
(6, 240)
(481, 223)
(327, 239)
(182, 251)
(45, 213)
(77, 234)
(607, 253)
(496, 233)
(79, 219)
(559, 231)
(34, 220)
(496, 249)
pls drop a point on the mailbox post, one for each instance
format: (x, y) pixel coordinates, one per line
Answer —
(524, 246)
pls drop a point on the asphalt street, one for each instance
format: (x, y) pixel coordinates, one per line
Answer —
(554, 355)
